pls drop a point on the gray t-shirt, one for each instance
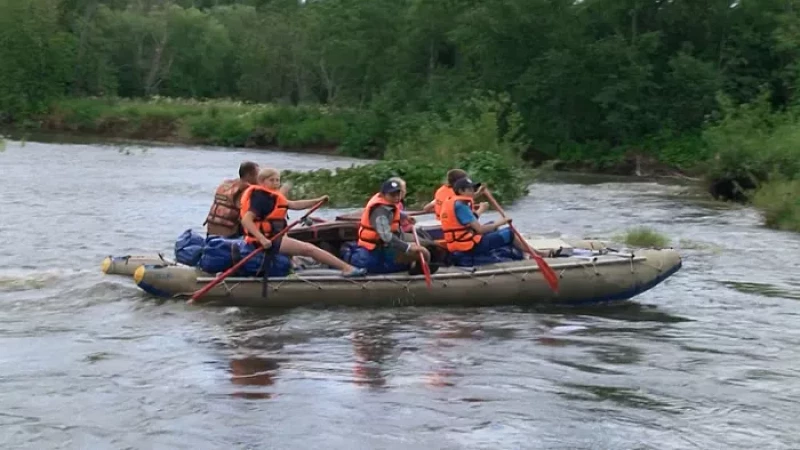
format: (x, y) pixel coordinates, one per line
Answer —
(381, 220)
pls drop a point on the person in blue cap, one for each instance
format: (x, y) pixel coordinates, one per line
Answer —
(463, 232)
(380, 234)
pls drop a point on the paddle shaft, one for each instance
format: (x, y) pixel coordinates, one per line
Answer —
(200, 292)
(549, 274)
(425, 269)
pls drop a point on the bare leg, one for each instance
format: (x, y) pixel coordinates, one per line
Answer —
(293, 247)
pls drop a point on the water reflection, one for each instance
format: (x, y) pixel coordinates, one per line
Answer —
(253, 371)
(763, 289)
(371, 346)
(622, 396)
(627, 311)
(447, 334)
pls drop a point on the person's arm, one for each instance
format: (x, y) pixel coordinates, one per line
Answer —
(428, 208)
(482, 207)
(487, 227)
(467, 218)
(305, 204)
(406, 218)
(381, 220)
(285, 188)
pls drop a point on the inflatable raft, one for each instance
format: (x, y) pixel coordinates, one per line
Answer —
(589, 273)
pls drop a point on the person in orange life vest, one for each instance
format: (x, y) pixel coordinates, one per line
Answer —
(445, 191)
(405, 224)
(263, 215)
(223, 216)
(380, 234)
(463, 232)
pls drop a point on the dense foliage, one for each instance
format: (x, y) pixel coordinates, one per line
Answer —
(597, 82)
(421, 151)
(590, 78)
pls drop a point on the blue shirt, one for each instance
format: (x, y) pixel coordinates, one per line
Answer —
(464, 213)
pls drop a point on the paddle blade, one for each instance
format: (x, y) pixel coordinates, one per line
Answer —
(549, 274)
(425, 269)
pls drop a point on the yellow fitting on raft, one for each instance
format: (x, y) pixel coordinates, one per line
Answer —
(106, 264)
(138, 275)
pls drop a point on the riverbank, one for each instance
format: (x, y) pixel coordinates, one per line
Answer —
(87, 138)
(224, 123)
(309, 128)
(421, 151)
(747, 156)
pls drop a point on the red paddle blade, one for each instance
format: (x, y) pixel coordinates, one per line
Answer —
(549, 274)
(427, 272)
(425, 269)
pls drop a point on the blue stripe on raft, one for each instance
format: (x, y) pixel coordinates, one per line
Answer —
(630, 293)
(153, 291)
(147, 287)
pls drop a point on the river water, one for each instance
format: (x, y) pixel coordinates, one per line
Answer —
(708, 359)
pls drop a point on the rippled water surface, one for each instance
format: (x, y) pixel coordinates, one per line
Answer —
(708, 359)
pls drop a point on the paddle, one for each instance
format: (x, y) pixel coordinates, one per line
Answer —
(425, 269)
(200, 292)
(548, 272)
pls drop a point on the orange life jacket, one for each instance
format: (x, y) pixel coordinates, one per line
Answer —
(273, 223)
(459, 238)
(443, 193)
(367, 236)
(223, 217)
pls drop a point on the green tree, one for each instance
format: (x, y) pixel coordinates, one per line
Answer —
(36, 56)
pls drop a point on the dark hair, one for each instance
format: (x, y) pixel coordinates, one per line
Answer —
(454, 175)
(248, 168)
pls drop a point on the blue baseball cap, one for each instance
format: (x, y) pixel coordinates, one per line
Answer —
(465, 183)
(390, 187)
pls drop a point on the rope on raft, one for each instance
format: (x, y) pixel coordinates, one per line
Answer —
(485, 277)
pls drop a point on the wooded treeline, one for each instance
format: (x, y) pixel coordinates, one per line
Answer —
(587, 76)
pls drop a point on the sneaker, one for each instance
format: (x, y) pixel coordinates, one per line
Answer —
(357, 272)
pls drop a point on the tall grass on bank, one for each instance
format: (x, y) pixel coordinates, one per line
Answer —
(221, 122)
(780, 202)
(422, 148)
(481, 135)
(749, 144)
(756, 152)
(644, 237)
